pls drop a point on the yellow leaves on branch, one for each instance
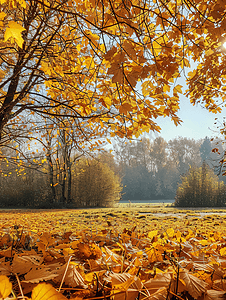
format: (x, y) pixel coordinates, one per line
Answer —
(13, 31)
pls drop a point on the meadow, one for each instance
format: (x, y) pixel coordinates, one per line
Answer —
(127, 252)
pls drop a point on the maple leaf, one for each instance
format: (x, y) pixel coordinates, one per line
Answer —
(223, 251)
(152, 234)
(14, 31)
(91, 251)
(129, 48)
(5, 286)
(44, 291)
(110, 53)
(118, 75)
(124, 108)
(47, 239)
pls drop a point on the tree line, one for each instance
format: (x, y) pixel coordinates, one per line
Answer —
(64, 175)
(89, 181)
(153, 169)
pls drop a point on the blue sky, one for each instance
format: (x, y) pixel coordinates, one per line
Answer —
(197, 123)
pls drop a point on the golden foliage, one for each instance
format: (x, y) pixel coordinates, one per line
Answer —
(110, 61)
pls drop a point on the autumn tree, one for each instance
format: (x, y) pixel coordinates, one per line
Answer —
(200, 187)
(95, 184)
(89, 57)
(63, 141)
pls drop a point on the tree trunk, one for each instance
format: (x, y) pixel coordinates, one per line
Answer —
(51, 178)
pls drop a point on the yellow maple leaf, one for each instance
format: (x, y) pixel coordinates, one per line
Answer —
(14, 31)
(177, 89)
(5, 286)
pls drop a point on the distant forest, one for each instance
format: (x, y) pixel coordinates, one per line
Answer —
(152, 170)
(137, 170)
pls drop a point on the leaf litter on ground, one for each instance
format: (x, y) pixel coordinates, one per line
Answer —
(112, 254)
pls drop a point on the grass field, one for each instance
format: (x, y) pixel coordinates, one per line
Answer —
(145, 251)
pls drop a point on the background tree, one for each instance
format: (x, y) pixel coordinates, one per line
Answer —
(184, 152)
(205, 149)
(95, 184)
(200, 187)
(151, 170)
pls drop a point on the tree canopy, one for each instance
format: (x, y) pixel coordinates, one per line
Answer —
(112, 63)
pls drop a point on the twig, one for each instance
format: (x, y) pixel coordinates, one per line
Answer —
(65, 272)
(21, 291)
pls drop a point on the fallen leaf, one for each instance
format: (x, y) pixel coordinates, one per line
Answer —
(73, 278)
(214, 295)
(37, 275)
(5, 286)
(161, 280)
(194, 285)
(44, 291)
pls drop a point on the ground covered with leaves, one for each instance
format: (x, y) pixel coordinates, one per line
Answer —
(150, 253)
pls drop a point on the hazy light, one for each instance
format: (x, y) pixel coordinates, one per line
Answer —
(224, 45)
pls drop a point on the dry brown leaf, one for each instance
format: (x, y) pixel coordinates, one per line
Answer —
(6, 240)
(220, 284)
(95, 265)
(118, 279)
(47, 239)
(90, 251)
(194, 285)
(7, 252)
(21, 265)
(28, 287)
(37, 275)
(111, 256)
(73, 278)
(214, 295)
(160, 294)
(126, 282)
(34, 258)
(161, 280)
(5, 268)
